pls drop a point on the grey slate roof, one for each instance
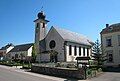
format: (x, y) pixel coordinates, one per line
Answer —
(73, 37)
(22, 47)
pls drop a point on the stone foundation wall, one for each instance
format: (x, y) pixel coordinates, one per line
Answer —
(63, 72)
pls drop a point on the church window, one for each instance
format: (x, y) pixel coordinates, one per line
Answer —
(37, 27)
(52, 44)
(70, 50)
(75, 51)
(87, 51)
(83, 51)
(43, 25)
(79, 51)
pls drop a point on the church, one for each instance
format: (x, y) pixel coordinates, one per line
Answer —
(59, 45)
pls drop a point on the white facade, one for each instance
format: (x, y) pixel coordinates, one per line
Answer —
(21, 54)
(110, 39)
(79, 52)
(114, 49)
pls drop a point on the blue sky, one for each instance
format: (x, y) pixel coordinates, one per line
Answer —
(87, 17)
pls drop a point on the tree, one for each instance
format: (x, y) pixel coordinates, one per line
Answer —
(97, 54)
(33, 53)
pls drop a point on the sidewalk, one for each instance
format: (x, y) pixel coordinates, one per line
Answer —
(38, 75)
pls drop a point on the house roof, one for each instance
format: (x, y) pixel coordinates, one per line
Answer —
(73, 37)
(22, 47)
(110, 29)
(7, 46)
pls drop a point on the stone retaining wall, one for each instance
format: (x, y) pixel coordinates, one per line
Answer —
(63, 72)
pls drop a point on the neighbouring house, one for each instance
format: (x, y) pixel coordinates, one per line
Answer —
(4, 50)
(64, 44)
(110, 40)
(21, 52)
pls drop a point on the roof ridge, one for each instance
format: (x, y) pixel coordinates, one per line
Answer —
(23, 44)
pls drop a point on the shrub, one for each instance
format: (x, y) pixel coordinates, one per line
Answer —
(100, 70)
(88, 71)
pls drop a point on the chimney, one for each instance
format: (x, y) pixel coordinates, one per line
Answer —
(107, 25)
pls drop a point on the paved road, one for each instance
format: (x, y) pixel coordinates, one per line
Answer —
(12, 75)
(107, 76)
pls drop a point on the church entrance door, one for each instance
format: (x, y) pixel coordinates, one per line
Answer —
(53, 56)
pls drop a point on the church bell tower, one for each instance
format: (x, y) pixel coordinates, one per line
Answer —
(40, 30)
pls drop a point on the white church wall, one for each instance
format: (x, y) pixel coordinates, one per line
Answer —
(85, 51)
(59, 47)
(72, 50)
(72, 57)
(67, 53)
(53, 35)
(81, 52)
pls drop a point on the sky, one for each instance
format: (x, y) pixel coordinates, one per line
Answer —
(87, 17)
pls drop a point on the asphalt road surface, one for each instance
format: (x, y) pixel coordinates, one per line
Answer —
(12, 75)
(107, 76)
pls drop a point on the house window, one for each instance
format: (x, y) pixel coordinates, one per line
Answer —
(87, 51)
(110, 56)
(79, 51)
(83, 51)
(70, 50)
(75, 51)
(108, 42)
(12, 57)
(119, 40)
(16, 56)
